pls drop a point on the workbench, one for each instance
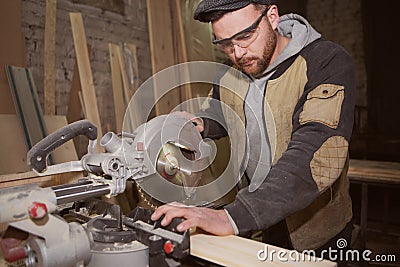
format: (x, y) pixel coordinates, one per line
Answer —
(372, 173)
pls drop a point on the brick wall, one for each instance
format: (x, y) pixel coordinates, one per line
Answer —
(101, 27)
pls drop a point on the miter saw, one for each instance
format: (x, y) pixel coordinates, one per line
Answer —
(165, 157)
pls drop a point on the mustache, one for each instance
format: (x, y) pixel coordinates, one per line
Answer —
(244, 60)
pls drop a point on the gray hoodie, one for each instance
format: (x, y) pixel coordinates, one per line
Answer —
(301, 33)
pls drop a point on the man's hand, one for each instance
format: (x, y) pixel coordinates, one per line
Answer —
(213, 221)
(189, 116)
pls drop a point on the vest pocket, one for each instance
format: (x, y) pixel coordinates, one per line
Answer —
(323, 105)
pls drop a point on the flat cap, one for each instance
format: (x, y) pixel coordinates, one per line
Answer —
(207, 6)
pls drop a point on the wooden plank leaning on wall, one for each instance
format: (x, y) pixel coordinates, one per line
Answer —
(124, 80)
(85, 72)
(162, 49)
(181, 53)
(118, 94)
(50, 58)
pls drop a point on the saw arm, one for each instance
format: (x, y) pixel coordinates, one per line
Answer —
(168, 148)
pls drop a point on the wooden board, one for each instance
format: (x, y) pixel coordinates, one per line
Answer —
(374, 171)
(119, 103)
(50, 58)
(135, 67)
(124, 76)
(85, 72)
(120, 78)
(162, 50)
(15, 179)
(198, 37)
(238, 251)
(181, 52)
(75, 109)
(12, 49)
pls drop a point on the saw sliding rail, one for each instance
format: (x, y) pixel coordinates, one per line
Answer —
(79, 191)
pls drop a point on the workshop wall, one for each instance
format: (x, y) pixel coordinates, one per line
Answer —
(341, 21)
(127, 22)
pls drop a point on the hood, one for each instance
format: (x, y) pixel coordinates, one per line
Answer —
(299, 31)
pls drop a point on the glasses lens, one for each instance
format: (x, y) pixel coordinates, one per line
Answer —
(227, 47)
(243, 40)
(246, 38)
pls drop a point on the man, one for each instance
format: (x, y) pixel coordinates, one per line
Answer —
(298, 146)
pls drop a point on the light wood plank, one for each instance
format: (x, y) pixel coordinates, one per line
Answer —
(135, 67)
(122, 68)
(85, 72)
(126, 91)
(162, 50)
(242, 252)
(119, 103)
(186, 90)
(75, 111)
(15, 179)
(50, 58)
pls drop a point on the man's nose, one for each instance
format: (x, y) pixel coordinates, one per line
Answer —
(239, 51)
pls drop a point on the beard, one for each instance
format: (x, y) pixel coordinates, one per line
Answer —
(260, 63)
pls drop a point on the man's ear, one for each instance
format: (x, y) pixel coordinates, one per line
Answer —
(273, 16)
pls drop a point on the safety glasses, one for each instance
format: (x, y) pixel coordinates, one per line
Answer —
(243, 38)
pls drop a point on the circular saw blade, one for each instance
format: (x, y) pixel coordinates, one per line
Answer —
(170, 168)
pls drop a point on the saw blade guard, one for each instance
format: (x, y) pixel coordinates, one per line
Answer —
(175, 155)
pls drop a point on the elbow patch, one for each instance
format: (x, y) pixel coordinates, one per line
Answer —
(328, 161)
(323, 105)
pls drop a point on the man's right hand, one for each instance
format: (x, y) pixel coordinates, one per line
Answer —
(197, 121)
(212, 221)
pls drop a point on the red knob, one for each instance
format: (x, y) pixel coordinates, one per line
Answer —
(168, 247)
(37, 210)
(139, 146)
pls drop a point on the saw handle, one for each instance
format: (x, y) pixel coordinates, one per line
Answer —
(37, 155)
